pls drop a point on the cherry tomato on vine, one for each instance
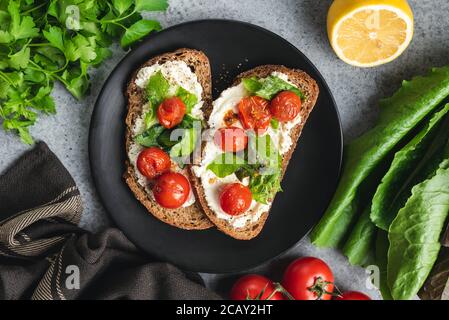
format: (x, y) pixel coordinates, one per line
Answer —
(255, 287)
(309, 278)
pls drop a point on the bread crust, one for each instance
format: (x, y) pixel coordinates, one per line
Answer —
(311, 90)
(192, 217)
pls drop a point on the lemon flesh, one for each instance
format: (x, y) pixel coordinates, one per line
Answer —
(369, 33)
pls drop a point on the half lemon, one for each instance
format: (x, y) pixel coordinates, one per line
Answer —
(368, 33)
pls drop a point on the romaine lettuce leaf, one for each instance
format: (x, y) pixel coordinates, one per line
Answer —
(382, 245)
(399, 115)
(414, 234)
(404, 164)
(359, 248)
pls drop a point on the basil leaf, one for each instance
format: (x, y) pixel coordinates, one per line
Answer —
(149, 138)
(269, 87)
(189, 99)
(252, 84)
(189, 122)
(150, 118)
(166, 140)
(157, 89)
(226, 164)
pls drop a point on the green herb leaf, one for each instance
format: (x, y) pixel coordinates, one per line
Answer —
(166, 140)
(189, 99)
(122, 5)
(252, 84)
(21, 28)
(157, 89)
(20, 59)
(138, 30)
(150, 137)
(226, 164)
(274, 124)
(55, 36)
(269, 87)
(151, 5)
(265, 186)
(150, 117)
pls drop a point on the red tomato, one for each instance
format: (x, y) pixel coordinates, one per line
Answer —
(171, 190)
(231, 139)
(153, 161)
(171, 112)
(254, 287)
(235, 199)
(285, 106)
(309, 279)
(353, 295)
(254, 113)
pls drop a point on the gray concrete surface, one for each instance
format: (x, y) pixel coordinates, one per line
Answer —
(302, 23)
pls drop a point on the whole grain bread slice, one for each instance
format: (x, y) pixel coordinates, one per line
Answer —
(192, 217)
(311, 90)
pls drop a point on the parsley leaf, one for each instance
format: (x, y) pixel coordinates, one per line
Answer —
(46, 41)
(139, 30)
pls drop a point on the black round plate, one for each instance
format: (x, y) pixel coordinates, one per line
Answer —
(308, 186)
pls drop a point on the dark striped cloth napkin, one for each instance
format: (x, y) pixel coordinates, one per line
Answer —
(45, 255)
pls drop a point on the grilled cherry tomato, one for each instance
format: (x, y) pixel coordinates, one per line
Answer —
(309, 279)
(353, 295)
(254, 287)
(153, 161)
(231, 139)
(285, 106)
(235, 199)
(171, 112)
(254, 113)
(171, 190)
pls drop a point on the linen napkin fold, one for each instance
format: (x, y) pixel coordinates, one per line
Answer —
(45, 255)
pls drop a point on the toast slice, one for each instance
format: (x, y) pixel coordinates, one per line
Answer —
(310, 89)
(192, 217)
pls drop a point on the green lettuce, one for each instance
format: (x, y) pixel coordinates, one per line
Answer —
(360, 244)
(269, 87)
(405, 162)
(382, 245)
(399, 115)
(414, 234)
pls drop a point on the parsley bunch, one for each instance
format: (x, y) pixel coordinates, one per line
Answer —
(45, 41)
